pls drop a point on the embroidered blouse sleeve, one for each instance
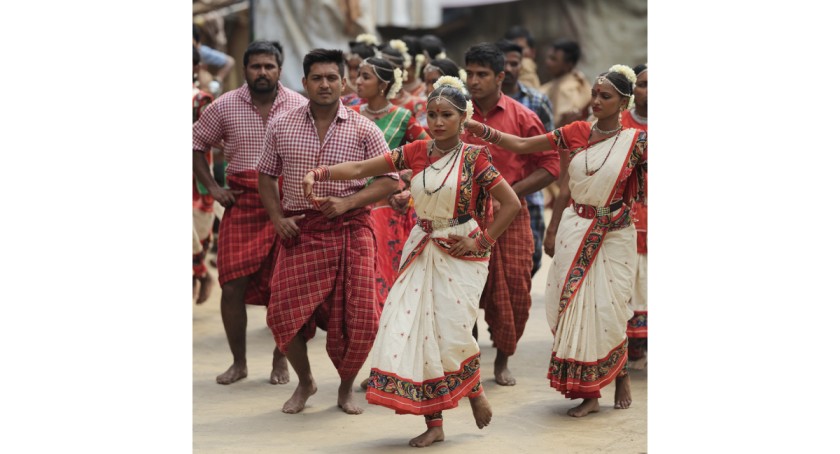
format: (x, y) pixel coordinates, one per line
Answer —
(486, 174)
(396, 158)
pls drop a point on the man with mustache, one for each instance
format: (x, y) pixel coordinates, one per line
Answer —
(325, 270)
(248, 244)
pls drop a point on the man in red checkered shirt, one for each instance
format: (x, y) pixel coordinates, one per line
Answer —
(248, 245)
(325, 271)
(506, 299)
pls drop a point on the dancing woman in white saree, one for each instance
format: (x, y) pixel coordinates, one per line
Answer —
(424, 358)
(594, 265)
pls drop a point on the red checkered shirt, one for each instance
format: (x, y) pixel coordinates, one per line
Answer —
(292, 148)
(234, 119)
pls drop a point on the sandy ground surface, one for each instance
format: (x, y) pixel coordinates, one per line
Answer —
(246, 416)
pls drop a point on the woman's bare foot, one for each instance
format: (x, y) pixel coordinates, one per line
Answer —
(205, 284)
(345, 398)
(298, 400)
(586, 407)
(481, 411)
(279, 369)
(622, 392)
(234, 373)
(431, 435)
(501, 372)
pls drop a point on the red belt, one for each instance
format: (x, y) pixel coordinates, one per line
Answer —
(428, 225)
(591, 212)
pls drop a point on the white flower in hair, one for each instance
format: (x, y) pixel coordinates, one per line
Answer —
(399, 45)
(624, 70)
(368, 39)
(452, 82)
(402, 48)
(462, 75)
(441, 55)
(419, 59)
(397, 85)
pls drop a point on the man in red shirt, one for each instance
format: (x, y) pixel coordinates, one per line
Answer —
(507, 295)
(247, 242)
(325, 270)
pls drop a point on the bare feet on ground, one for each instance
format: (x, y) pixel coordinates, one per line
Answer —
(501, 371)
(481, 411)
(205, 284)
(345, 401)
(586, 407)
(431, 435)
(298, 400)
(234, 373)
(279, 370)
(622, 392)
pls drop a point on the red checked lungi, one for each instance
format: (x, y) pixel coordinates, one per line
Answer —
(325, 278)
(506, 299)
(248, 243)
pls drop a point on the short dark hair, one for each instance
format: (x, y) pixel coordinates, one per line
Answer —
(507, 45)
(323, 56)
(518, 31)
(264, 47)
(571, 49)
(486, 54)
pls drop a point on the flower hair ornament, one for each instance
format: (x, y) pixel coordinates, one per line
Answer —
(398, 74)
(462, 75)
(368, 39)
(401, 47)
(625, 71)
(453, 82)
(419, 59)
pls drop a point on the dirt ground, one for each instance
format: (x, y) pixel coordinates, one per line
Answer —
(246, 416)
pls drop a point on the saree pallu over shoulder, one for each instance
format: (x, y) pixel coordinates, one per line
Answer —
(424, 359)
(591, 275)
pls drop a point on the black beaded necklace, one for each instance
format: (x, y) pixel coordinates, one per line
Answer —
(429, 160)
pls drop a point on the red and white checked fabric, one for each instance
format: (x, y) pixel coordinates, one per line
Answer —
(325, 278)
(234, 120)
(292, 148)
(248, 244)
(506, 299)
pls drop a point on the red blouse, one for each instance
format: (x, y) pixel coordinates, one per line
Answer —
(475, 179)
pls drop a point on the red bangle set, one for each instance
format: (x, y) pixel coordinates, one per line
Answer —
(322, 173)
(485, 241)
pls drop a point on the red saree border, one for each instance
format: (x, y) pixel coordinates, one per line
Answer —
(411, 397)
(570, 376)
